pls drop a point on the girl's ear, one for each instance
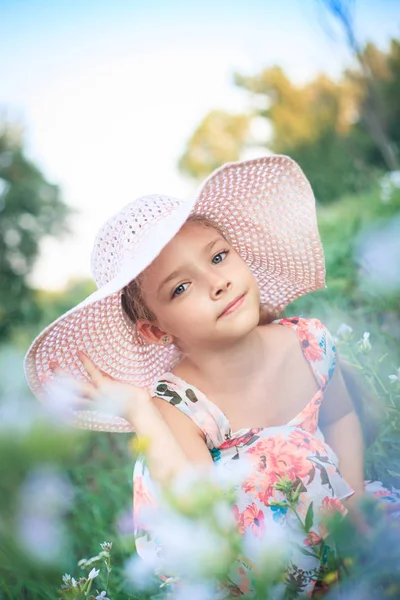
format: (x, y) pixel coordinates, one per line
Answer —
(151, 332)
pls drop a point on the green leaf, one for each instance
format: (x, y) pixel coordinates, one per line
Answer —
(309, 518)
(305, 552)
(277, 503)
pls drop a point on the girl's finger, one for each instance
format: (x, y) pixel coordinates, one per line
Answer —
(82, 404)
(87, 390)
(95, 374)
(84, 389)
(59, 372)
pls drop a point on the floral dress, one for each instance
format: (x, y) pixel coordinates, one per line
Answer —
(295, 451)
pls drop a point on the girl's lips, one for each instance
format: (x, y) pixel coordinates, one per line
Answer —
(234, 306)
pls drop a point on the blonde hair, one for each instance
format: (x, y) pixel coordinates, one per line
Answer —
(133, 303)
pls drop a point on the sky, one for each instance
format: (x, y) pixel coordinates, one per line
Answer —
(110, 91)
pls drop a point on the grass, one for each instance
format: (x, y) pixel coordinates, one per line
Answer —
(99, 466)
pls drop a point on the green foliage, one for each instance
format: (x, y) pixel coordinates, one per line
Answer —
(218, 139)
(30, 208)
(341, 155)
(350, 293)
(49, 306)
(340, 132)
(93, 470)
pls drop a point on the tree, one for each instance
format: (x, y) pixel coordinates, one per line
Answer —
(341, 11)
(322, 124)
(299, 114)
(30, 208)
(384, 75)
(218, 139)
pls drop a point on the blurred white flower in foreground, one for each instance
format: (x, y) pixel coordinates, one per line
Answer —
(344, 331)
(63, 396)
(395, 378)
(270, 550)
(18, 416)
(44, 497)
(190, 548)
(140, 571)
(195, 591)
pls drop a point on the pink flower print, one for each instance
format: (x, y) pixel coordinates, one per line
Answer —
(305, 439)
(331, 506)
(309, 343)
(253, 518)
(314, 537)
(239, 519)
(141, 499)
(241, 440)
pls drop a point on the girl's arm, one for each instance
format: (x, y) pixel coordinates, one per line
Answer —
(341, 428)
(174, 442)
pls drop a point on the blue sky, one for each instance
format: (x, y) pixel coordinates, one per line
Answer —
(109, 91)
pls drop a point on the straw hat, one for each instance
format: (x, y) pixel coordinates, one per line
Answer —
(266, 209)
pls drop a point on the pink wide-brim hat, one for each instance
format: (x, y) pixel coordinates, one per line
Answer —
(266, 209)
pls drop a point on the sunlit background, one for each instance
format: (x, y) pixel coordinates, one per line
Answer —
(109, 94)
(104, 101)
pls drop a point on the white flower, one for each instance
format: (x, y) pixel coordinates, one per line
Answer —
(106, 546)
(190, 548)
(93, 573)
(229, 478)
(102, 596)
(364, 344)
(68, 580)
(87, 562)
(195, 591)
(394, 378)
(269, 551)
(344, 331)
(140, 571)
(224, 516)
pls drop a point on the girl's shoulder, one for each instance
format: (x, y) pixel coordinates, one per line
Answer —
(300, 322)
(303, 326)
(315, 340)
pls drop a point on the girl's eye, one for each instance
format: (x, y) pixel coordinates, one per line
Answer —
(178, 291)
(220, 254)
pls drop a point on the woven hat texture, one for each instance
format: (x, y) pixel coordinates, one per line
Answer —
(266, 209)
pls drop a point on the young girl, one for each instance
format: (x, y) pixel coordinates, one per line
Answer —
(185, 332)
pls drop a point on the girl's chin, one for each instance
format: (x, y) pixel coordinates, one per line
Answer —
(241, 323)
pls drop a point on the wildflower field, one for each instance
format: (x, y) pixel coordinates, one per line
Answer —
(66, 503)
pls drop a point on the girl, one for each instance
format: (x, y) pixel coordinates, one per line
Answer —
(185, 332)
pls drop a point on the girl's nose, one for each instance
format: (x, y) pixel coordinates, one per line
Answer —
(219, 285)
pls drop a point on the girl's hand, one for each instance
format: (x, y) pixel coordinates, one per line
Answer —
(102, 393)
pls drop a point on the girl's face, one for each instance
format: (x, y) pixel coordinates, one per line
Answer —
(189, 285)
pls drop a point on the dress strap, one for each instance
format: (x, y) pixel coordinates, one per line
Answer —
(317, 346)
(193, 403)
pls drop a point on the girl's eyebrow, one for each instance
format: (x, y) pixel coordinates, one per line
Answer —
(175, 273)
